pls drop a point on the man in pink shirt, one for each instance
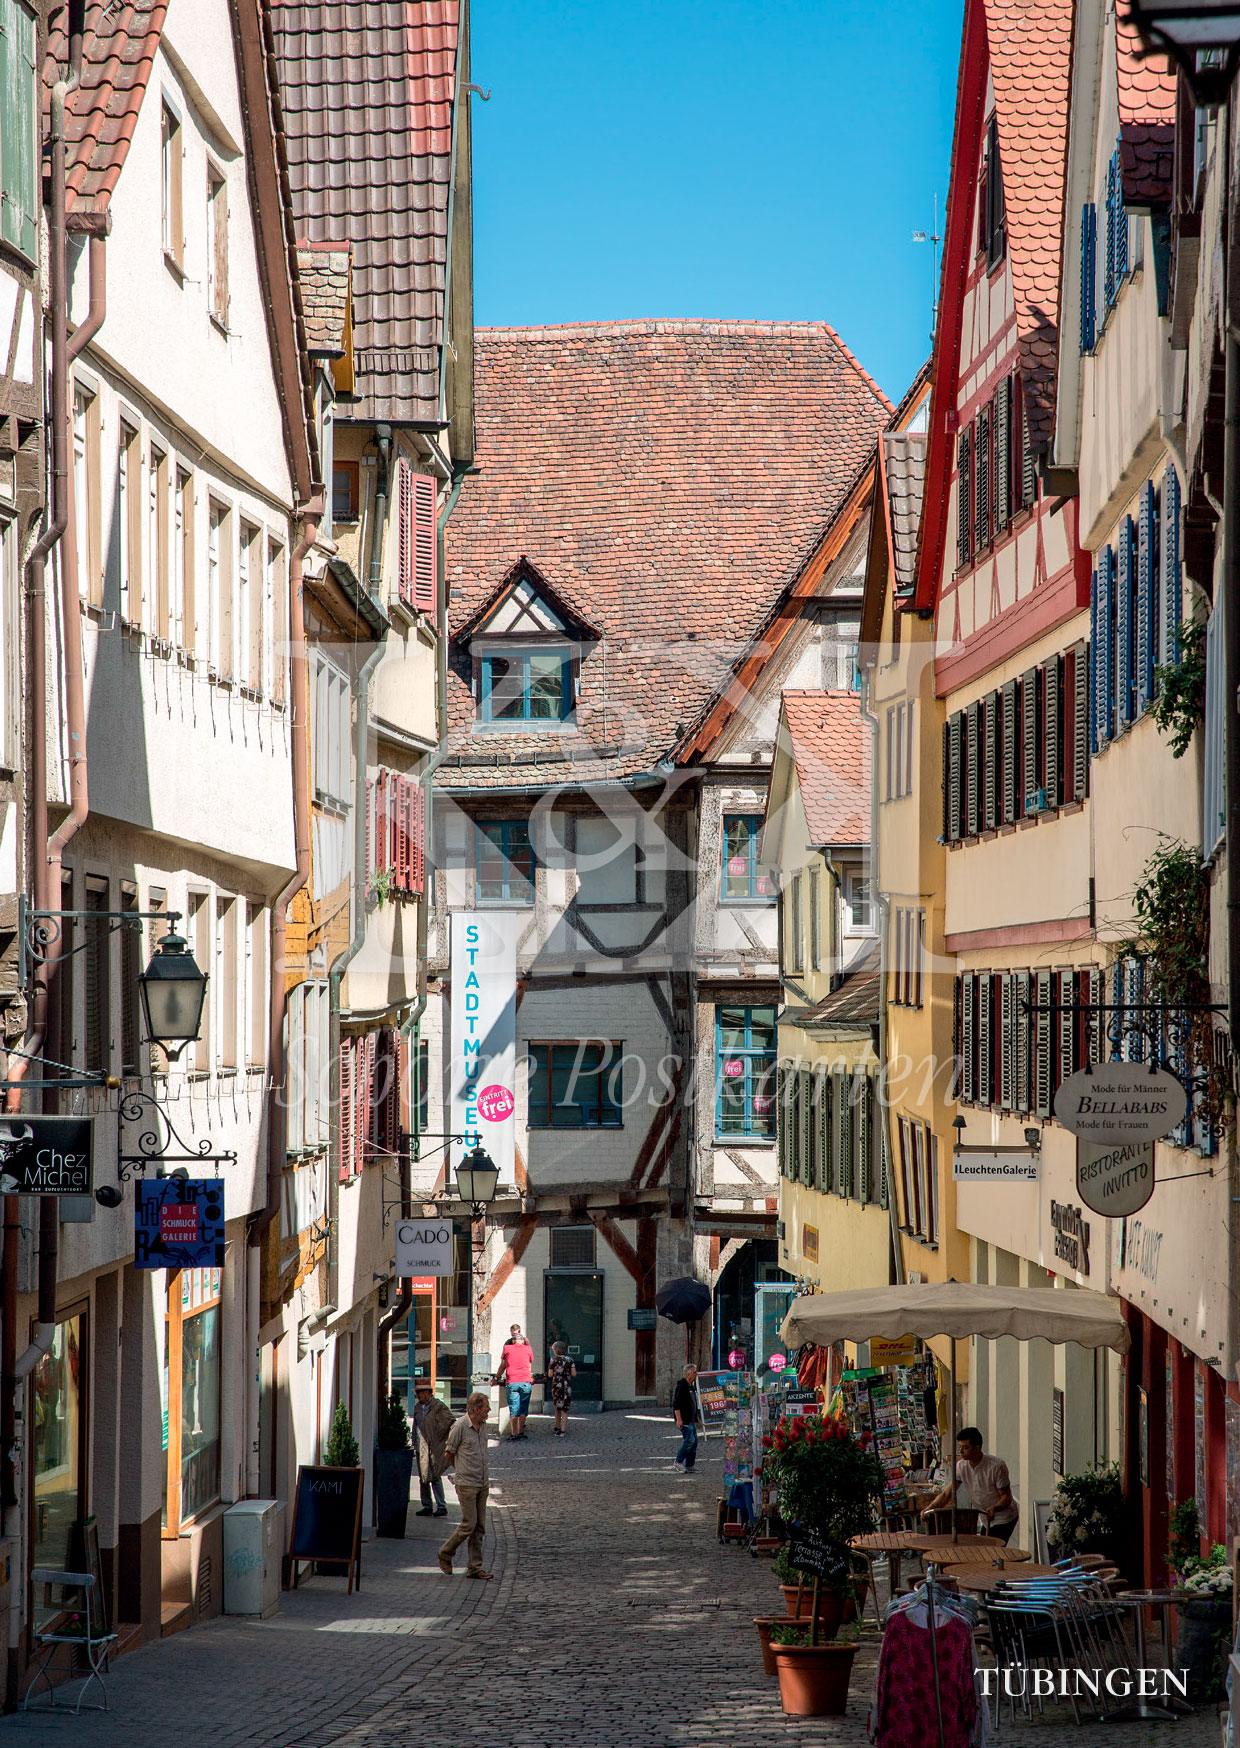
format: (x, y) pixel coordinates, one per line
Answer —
(516, 1370)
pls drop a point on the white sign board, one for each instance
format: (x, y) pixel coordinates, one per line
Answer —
(483, 1074)
(983, 1167)
(423, 1247)
(1121, 1101)
(1115, 1180)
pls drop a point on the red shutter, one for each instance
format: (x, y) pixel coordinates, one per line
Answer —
(404, 536)
(366, 1100)
(370, 837)
(346, 1107)
(424, 491)
(417, 827)
(403, 847)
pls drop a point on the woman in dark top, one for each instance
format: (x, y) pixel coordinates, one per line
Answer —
(560, 1374)
(685, 1408)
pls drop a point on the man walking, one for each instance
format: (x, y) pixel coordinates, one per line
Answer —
(466, 1452)
(685, 1408)
(516, 1372)
(432, 1422)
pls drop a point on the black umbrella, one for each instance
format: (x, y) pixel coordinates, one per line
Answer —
(683, 1300)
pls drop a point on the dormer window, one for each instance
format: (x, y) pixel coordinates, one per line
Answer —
(991, 210)
(528, 685)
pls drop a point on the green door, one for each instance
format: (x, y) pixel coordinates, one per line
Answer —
(573, 1313)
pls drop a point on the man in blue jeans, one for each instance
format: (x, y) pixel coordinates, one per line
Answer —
(685, 1408)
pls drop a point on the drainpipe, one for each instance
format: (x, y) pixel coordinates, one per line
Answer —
(412, 1028)
(880, 904)
(383, 437)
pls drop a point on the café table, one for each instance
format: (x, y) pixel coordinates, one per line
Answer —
(894, 1543)
(984, 1579)
(1137, 1710)
(965, 1550)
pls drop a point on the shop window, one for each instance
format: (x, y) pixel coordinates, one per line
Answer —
(58, 1418)
(576, 1086)
(191, 1397)
(505, 862)
(745, 877)
(745, 1071)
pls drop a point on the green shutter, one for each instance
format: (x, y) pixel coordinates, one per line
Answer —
(19, 136)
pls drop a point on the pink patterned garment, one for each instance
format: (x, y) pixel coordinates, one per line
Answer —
(904, 1711)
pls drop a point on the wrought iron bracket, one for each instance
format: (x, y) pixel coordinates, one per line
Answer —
(40, 930)
(154, 1143)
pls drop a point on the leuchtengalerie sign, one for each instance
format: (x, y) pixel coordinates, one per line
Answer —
(1121, 1101)
(483, 1071)
(46, 1156)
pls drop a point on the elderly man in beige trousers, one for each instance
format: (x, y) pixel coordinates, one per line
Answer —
(466, 1454)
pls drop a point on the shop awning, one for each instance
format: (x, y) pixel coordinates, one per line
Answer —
(958, 1309)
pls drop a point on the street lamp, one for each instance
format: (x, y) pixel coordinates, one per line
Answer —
(173, 990)
(477, 1177)
(1201, 36)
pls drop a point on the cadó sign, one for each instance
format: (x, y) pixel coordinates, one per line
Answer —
(424, 1247)
(1121, 1101)
(1115, 1180)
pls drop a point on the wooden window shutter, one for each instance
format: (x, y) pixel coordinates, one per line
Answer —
(955, 784)
(1003, 454)
(1121, 223)
(1106, 647)
(1021, 1088)
(971, 787)
(1089, 270)
(346, 1107)
(1009, 752)
(826, 1114)
(1030, 700)
(990, 732)
(813, 1161)
(1043, 1091)
(404, 532)
(968, 1038)
(985, 1038)
(964, 497)
(1007, 1040)
(946, 782)
(1079, 705)
(20, 207)
(1172, 612)
(1095, 690)
(424, 494)
(1109, 277)
(1147, 595)
(1095, 1020)
(981, 495)
(1123, 628)
(366, 1129)
(847, 1117)
(865, 1148)
(781, 1124)
(1028, 461)
(805, 1088)
(1052, 674)
(1067, 1017)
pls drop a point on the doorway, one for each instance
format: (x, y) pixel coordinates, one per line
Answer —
(573, 1314)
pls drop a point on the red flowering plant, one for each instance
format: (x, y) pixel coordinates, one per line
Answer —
(830, 1483)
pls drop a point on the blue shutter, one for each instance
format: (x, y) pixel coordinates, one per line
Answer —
(1147, 595)
(1121, 222)
(1113, 1030)
(1106, 646)
(1095, 692)
(1123, 629)
(1108, 283)
(1172, 609)
(1089, 272)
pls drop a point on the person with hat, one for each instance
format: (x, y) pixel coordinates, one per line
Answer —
(432, 1422)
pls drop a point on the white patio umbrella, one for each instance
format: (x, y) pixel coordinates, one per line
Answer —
(958, 1308)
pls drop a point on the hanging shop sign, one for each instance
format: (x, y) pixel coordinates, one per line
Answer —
(1121, 1101)
(884, 1354)
(46, 1156)
(484, 1036)
(178, 1223)
(1117, 1179)
(643, 1317)
(1071, 1230)
(424, 1247)
(994, 1165)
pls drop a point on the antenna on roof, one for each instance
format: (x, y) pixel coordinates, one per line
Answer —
(934, 238)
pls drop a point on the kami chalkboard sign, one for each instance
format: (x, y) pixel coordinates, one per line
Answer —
(327, 1521)
(818, 1558)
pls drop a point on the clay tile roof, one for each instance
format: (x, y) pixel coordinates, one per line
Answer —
(831, 750)
(904, 470)
(1030, 43)
(367, 88)
(1147, 92)
(118, 52)
(854, 1002)
(669, 478)
(323, 273)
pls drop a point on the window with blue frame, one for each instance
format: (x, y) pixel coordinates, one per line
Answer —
(526, 687)
(576, 1085)
(504, 862)
(745, 878)
(1136, 605)
(745, 1071)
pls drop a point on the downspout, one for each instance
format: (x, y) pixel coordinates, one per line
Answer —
(404, 1298)
(383, 438)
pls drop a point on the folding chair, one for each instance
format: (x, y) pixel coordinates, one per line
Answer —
(76, 1619)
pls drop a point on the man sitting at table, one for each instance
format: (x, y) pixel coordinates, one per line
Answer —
(987, 1484)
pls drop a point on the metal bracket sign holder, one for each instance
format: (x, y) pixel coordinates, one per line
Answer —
(154, 1141)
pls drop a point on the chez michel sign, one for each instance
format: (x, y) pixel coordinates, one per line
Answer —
(46, 1156)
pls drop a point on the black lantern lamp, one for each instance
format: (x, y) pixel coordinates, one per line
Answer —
(173, 991)
(1201, 36)
(477, 1178)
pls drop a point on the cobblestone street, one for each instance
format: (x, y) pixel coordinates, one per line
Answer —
(614, 1620)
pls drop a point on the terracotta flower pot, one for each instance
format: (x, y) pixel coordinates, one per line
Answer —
(764, 1624)
(813, 1679)
(830, 1612)
(854, 1605)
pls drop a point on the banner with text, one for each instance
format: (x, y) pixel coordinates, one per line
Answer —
(484, 1036)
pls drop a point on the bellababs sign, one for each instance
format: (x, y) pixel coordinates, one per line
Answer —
(484, 1036)
(1116, 1102)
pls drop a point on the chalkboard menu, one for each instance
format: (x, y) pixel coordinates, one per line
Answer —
(327, 1521)
(808, 1553)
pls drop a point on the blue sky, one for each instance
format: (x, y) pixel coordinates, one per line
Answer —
(695, 159)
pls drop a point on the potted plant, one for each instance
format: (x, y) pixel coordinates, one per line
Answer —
(1204, 1623)
(829, 1484)
(1089, 1515)
(797, 1586)
(766, 1625)
(393, 1469)
(342, 1451)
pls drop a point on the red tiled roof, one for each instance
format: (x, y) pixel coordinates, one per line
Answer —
(366, 95)
(670, 477)
(831, 750)
(118, 51)
(323, 273)
(1147, 92)
(1030, 43)
(855, 1001)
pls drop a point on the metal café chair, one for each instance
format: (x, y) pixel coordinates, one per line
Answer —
(1030, 1633)
(75, 1619)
